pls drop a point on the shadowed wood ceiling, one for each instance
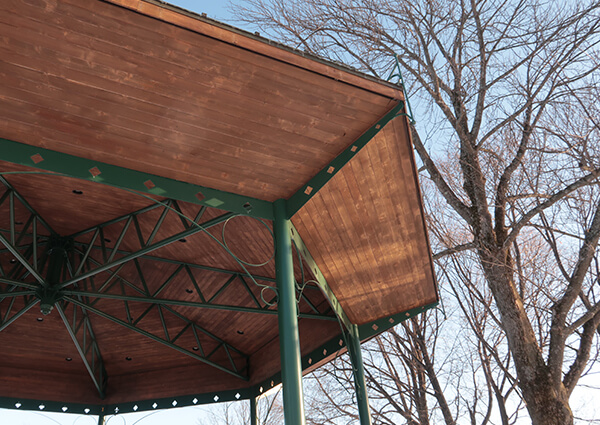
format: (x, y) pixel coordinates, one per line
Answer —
(144, 86)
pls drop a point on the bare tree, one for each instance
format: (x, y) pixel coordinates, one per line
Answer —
(269, 412)
(511, 89)
(421, 373)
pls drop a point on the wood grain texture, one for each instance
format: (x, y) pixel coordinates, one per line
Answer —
(366, 230)
(35, 352)
(102, 82)
(139, 85)
(256, 44)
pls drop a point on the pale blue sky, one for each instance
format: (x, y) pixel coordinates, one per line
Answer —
(215, 9)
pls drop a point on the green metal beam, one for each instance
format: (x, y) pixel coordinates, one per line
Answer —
(321, 281)
(87, 347)
(153, 337)
(186, 264)
(7, 321)
(376, 327)
(358, 370)
(161, 301)
(289, 338)
(148, 249)
(19, 283)
(4, 295)
(124, 178)
(307, 191)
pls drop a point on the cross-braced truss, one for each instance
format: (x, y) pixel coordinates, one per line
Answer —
(78, 275)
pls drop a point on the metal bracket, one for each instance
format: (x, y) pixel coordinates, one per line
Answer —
(320, 279)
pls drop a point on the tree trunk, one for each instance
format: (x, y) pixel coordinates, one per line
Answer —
(546, 404)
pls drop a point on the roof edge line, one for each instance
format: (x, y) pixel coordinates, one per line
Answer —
(229, 34)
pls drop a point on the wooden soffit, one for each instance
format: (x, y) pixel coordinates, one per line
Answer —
(177, 106)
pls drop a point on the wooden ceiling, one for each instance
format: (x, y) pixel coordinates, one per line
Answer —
(147, 87)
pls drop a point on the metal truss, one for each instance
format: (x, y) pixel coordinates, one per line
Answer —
(73, 274)
(81, 332)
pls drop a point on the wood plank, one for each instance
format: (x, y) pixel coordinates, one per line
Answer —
(296, 162)
(366, 230)
(194, 23)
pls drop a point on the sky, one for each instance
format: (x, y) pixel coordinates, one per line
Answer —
(216, 9)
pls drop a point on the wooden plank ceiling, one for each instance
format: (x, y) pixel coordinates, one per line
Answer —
(146, 87)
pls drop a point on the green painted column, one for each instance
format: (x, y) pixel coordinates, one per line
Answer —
(360, 384)
(101, 420)
(253, 411)
(289, 336)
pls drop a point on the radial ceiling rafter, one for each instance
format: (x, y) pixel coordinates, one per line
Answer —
(91, 271)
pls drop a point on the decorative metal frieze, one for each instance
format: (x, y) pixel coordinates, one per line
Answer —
(73, 274)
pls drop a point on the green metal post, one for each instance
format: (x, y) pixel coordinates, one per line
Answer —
(101, 420)
(360, 384)
(289, 337)
(253, 411)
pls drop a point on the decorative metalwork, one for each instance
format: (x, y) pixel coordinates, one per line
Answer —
(304, 255)
(72, 274)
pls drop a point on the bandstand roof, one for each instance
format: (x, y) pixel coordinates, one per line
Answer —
(145, 146)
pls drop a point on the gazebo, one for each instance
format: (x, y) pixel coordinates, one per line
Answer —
(190, 213)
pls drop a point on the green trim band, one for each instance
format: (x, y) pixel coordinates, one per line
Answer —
(369, 330)
(125, 178)
(334, 345)
(308, 190)
(338, 344)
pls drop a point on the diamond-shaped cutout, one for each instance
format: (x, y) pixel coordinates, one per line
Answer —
(149, 184)
(237, 396)
(308, 190)
(325, 352)
(86, 410)
(195, 401)
(135, 408)
(216, 398)
(330, 170)
(309, 361)
(354, 148)
(37, 158)
(95, 171)
(214, 202)
(64, 408)
(375, 327)
(174, 403)
(17, 405)
(41, 407)
(391, 320)
(154, 406)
